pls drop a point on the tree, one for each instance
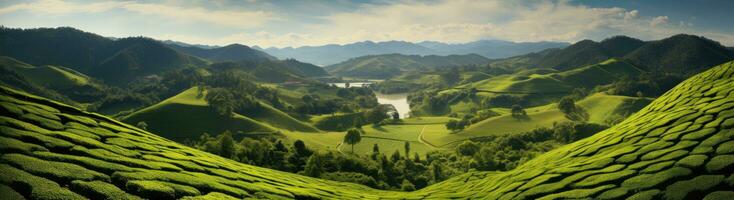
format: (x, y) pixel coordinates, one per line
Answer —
(407, 185)
(436, 172)
(567, 105)
(300, 148)
(395, 156)
(375, 149)
(221, 100)
(376, 115)
(455, 125)
(451, 125)
(353, 137)
(468, 148)
(395, 115)
(314, 166)
(226, 145)
(518, 111)
(142, 125)
(407, 149)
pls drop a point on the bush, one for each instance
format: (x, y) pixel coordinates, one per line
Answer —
(151, 189)
(467, 148)
(37, 187)
(352, 177)
(99, 190)
(63, 172)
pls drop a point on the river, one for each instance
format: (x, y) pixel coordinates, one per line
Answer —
(399, 100)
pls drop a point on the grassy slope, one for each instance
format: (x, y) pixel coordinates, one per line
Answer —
(57, 77)
(678, 147)
(599, 106)
(203, 119)
(557, 82)
(389, 137)
(548, 85)
(187, 116)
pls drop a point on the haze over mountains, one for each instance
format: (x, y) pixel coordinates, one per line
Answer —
(389, 65)
(676, 54)
(332, 53)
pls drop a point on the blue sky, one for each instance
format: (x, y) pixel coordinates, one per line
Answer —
(282, 23)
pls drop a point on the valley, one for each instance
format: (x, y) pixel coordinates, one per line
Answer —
(467, 100)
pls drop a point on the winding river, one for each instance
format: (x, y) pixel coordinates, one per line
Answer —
(398, 100)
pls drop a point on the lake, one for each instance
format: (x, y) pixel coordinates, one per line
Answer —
(351, 84)
(400, 101)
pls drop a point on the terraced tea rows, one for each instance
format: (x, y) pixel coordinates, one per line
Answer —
(678, 147)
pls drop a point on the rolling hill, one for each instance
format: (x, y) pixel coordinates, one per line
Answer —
(600, 107)
(63, 82)
(549, 82)
(233, 52)
(683, 54)
(389, 65)
(102, 58)
(332, 53)
(187, 115)
(678, 147)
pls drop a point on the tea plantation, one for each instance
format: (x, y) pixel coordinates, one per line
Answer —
(681, 146)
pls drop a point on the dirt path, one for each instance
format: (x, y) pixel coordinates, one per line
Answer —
(420, 139)
(338, 149)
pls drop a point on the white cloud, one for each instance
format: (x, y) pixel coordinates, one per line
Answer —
(409, 20)
(61, 7)
(230, 18)
(631, 15)
(238, 18)
(659, 20)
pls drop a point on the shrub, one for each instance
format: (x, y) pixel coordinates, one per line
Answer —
(467, 148)
(100, 190)
(36, 187)
(352, 177)
(151, 189)
(63, 172)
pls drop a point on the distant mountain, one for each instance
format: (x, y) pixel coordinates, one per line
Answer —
(277, 71)
(685, 54)
(389, 65)
(492, 48)
(677, 54)
(331, 54)
(115, 61)
(183, 44)
(233, 52)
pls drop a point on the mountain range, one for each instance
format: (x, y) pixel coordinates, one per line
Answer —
(117, 61)
(113, 61)
(333, 53)
(681, 54)
(390, 65)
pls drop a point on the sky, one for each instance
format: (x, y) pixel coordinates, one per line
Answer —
(294, 23)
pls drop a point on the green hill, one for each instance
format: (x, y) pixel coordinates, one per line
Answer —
(678, 147)
(600, 108)
(389, 65)
(681, 54)
(187, 115)
(544, 81)
(113, 61)
(51, 76)
(61, 81)
(233, 52)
